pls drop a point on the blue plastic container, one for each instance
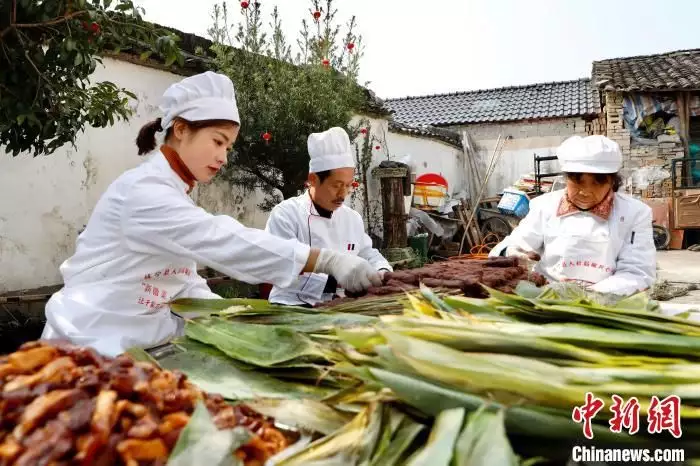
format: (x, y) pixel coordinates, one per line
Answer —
(514, 202)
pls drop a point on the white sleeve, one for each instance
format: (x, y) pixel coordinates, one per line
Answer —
(636, 264)
(280, 223)
(198, 289)
(157, 220)
(528, 235)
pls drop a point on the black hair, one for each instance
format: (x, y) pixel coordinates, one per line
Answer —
(600, 178)
(324, 175)
(146, 140)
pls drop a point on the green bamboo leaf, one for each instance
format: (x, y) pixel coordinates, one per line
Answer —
(211, 306)
(480, 373)
(431, 399)
(528, 290)
(305, 322)
(438, 450)
(214, 372)
(308, 415)
(401, 443)
(391, 421)
(141, 355)
(343, 446)
(596, 337)
(483, 442)
(201, 442)
(466, 336)
(253, 344)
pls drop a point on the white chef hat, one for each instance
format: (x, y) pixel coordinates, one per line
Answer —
(330, 150)
(206, 96)
(592, 154)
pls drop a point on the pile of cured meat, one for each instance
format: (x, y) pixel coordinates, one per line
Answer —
(467, 275)
(65, 405)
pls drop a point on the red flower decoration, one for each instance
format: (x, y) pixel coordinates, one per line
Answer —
(95, 28)
(245, 5)
(355, 184)
(351, 46)
(363, 131)
(317, 15)
(378, 147)
(266, 136)
(326, 62)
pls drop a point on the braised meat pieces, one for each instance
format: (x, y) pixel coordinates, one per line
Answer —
(467, 275)
(65, 405)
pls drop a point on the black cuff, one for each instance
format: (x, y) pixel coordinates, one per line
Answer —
(331, 285)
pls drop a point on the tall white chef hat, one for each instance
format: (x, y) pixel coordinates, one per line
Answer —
(206, 96)
(330, 150)
(592, 154)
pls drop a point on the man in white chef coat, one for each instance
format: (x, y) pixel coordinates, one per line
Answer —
(320, 218)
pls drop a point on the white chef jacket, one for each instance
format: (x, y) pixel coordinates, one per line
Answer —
(615, 256)
(344, 231)
(140, 250)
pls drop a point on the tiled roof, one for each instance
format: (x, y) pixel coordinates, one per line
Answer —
(661, 72)
(450, 137)
(534, 101)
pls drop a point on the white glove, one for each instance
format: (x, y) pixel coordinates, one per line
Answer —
(352, 272)
(514, 251)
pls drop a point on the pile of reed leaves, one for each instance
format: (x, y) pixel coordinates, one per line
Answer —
(443, 382)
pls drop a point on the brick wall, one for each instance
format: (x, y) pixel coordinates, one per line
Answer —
(636, 157)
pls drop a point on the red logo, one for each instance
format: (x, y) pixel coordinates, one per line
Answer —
(662, 415)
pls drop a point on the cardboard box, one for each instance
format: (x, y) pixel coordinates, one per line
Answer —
(686, 209)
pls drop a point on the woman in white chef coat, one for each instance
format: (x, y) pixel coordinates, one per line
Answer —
(588, 233)
(146, 236)
(320, 218)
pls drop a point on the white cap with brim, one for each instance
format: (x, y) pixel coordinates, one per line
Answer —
(330, 150)
(206, 96)
(590, 154)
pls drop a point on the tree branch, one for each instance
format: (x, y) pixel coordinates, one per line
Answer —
(265, 179)
(51, 22)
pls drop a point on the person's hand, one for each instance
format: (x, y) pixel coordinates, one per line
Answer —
(352, 272)
(514, 251)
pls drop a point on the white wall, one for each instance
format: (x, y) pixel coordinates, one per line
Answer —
(427, 156)
(48, 199)
(517, 157)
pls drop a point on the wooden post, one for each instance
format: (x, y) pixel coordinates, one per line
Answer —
(393, 209)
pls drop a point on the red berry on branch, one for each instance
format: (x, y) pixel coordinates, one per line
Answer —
(86, 25)
(326, 62)
(266, 136)
(378, 147)
(95, 28)
(355, 184)
(245, 5)
(351, 46)
(317, 15)
(363, 131)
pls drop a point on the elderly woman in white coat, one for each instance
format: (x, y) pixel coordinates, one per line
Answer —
(588, 233)
(146, 236)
